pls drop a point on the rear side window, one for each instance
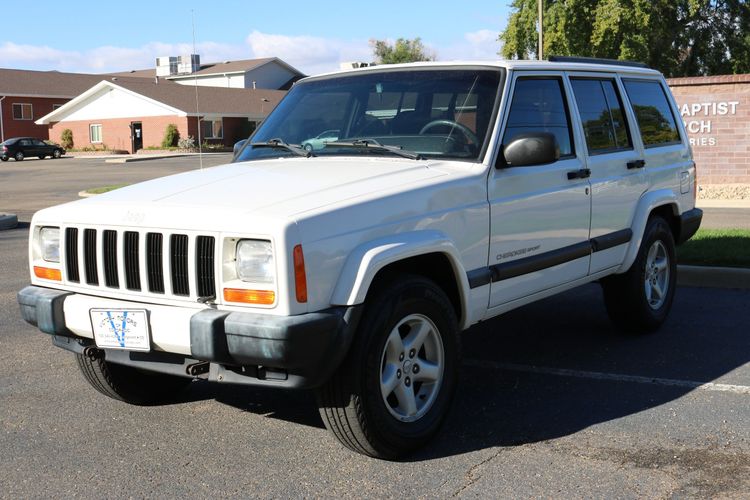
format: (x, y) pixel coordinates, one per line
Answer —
(538, 105)
(601, 113)
(652, 111)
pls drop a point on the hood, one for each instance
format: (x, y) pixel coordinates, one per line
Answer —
(277, 189)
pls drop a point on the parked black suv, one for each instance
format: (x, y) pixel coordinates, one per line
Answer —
(21, 147)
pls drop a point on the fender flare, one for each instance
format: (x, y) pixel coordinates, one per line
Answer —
(646, 205)
(367, 259)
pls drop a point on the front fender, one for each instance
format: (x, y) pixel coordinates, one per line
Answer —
(646, 205)
(364, 262)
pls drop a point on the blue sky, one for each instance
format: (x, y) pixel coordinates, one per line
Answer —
(312, 36)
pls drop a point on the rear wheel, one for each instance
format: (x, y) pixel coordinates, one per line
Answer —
(393, 391)
(129, 384)
(639, 300)
(41, 157)
(19, 156)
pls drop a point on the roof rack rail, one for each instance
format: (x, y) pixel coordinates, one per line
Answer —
(597, 60)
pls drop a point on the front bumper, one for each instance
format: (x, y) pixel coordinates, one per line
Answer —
(249, 348)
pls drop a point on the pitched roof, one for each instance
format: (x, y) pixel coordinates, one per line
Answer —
(217, 68)
(210, 99)
(182, 98)
(21, 82)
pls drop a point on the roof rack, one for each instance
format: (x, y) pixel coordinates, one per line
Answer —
(597, 60)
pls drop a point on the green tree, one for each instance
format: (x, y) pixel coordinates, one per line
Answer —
(402, 51)
(678, 37)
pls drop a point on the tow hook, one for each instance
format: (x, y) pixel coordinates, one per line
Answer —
(196, 369)
(92, 352)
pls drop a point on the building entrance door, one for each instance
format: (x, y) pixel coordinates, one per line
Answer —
(136, 136)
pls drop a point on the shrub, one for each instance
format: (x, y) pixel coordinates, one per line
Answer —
(66, 138)
(186, 142)
(171, 136)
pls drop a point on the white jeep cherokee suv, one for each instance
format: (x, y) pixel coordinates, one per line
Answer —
(453, 193)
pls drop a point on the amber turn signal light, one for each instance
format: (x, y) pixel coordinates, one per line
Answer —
(300, 280)
(47, 273)
(262, 297)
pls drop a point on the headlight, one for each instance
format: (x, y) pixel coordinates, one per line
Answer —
(50, 239)
(254, 261)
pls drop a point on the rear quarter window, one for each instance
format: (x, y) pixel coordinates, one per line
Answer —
(655, 120)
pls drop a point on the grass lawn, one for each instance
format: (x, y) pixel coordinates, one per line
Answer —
(716, 247)
(105, 189)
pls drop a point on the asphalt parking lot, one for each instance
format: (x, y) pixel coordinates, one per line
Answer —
(552, 403)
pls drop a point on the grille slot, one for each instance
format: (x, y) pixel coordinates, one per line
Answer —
(132, 261)
(154, 263)
(109, 254)
(179, 264)
(89, 256)
(204, 265)
(71, 255)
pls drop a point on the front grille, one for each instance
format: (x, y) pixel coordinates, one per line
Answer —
(141, 262)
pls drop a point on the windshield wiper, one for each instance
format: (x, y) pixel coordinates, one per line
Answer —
(279, 144)
(375, 145)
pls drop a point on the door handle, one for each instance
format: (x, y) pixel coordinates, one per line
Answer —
(636, 164)
(579, 174)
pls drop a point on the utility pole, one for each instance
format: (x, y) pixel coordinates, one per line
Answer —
(540, 52)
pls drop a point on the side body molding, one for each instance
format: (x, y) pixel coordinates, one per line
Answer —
(364, 262)
(646, 204)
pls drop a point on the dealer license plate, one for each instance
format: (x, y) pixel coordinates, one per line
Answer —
(121, 329)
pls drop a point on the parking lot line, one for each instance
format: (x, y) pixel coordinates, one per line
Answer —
(617, 377)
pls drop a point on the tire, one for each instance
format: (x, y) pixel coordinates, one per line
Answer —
(19, 156)
(56, 153)
(128, 384)
(308, 147)
(639, 300)
(377, 403)
(41, 157)
(4, 158)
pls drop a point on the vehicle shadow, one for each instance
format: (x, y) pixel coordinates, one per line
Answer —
(500, 404)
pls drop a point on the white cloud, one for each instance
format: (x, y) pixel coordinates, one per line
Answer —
(476, 45)
(309, 54)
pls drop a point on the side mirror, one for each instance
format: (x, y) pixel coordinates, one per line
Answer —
(238, 145)
(534, 148)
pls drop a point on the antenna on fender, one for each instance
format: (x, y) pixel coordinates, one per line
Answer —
(195, 84)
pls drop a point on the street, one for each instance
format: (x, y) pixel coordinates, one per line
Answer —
(552, 402)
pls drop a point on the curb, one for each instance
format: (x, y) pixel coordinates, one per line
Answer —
(713, 277)
(8, 221)
(144, 158)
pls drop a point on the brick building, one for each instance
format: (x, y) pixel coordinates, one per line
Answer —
(716, 112)
(132, 113)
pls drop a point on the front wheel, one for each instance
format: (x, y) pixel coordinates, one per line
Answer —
(19, 156)
(56, 153)
(639, 300)
(393, 391)
(129, 384)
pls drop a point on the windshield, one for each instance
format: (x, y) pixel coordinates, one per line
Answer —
(442, 113)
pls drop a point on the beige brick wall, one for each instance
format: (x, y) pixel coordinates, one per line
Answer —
(716, 111)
